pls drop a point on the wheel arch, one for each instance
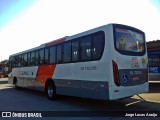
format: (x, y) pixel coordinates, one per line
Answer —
(50, 89)
(47, 82)
(14, 79)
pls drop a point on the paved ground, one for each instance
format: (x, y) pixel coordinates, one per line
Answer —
(28, 100)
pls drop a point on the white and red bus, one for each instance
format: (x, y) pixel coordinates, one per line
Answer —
(109, 62)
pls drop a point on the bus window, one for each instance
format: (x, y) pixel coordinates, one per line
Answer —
(52, 54)
(29, 59)
(46, 56)
(98, 45)
(75, 51)
(25, 59)
(22, 58)
(41, 56)
(14, 61)
(86, 44)
(59, 54)
(128, 41)
(67, 52)
(11, 62)
(37, 58)
(19, 60)
(33, 58)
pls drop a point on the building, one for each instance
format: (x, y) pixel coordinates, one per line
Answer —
(153, 48)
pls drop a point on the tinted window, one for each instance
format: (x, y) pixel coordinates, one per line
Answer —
(52, 54)
(41, 56)
(29, 58)
(32, 58)
(86, 45)
(75, 51)
(11, 62)
(19, 60)
(25, 62)
(46, 56)
(59, 54)
(16, 61)
(22, 60)
(84, 48)
(67, 52)
(98, 45)
(36, 58)
(129, 41)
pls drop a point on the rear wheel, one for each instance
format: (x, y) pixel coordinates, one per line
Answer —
(51, 90)
(16, 84)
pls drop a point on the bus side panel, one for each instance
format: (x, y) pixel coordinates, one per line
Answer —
(95, 89)
(12, 75)
(10, 79)
(83, 88)
(84, 79)
(25, 76)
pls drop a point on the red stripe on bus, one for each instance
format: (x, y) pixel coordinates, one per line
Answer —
(55, 42)
(43, 73)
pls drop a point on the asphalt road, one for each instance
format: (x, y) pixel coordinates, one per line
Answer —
(66, 107)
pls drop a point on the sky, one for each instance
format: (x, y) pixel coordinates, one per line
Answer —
(25, 24)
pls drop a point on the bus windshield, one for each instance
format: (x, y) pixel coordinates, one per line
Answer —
(129, 41)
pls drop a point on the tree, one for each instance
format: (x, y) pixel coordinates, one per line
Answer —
(4, 61)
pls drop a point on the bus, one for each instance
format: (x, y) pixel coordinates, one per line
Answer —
(108, 63)
(154, 65)
(2, 72)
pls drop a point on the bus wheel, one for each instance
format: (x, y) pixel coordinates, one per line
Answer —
(16, 84)
(51, 90)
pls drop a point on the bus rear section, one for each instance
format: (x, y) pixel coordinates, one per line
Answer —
(129, 63)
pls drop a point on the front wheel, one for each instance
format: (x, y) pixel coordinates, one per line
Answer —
(51, 90)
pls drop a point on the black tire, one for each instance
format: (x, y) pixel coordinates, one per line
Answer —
(16, 85)
(51, 91)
